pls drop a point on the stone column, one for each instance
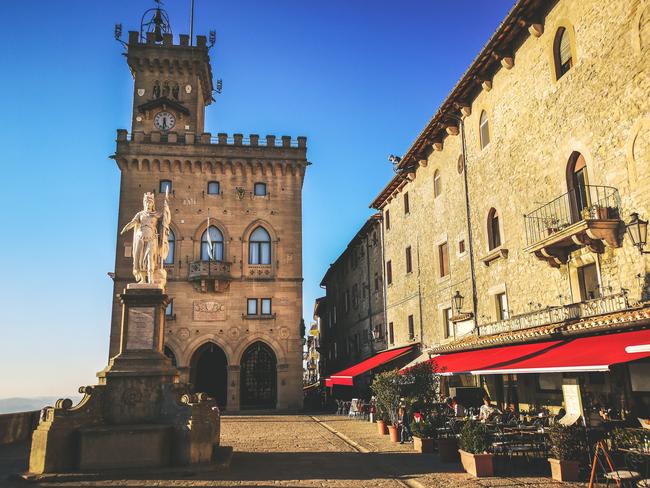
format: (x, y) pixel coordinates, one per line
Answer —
(233, 400)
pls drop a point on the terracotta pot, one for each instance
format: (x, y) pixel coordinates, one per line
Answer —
(381, 427)
(479, 465)
(448, 449)
(423, 444)
(564, 470)
(394, 433)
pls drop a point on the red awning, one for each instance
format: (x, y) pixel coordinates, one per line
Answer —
(596, 353)
(346, 377)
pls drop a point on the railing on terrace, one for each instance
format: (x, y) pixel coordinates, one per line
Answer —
(209, 270)
(588, 202)
(558, 314)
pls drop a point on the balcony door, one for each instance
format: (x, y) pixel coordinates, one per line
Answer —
(577, 183)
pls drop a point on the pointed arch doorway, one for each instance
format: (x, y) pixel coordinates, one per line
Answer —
(209, 372)
(258, 377)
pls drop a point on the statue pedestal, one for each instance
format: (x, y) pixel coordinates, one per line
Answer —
(139, 415)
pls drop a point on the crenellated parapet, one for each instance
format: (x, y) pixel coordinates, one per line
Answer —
(223, 154)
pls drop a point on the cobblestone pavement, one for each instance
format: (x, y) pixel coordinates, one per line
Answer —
(305, 451)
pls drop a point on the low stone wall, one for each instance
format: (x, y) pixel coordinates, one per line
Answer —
(17, 426)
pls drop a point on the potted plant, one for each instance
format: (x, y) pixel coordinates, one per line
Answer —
(474, 444)
(381, 425)
(567, 447)
(424, 433)
(386, 387)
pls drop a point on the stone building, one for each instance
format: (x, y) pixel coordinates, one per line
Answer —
(514, 199)
(351, 315)
(235, 262)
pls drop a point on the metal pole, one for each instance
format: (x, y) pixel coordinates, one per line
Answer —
(192, 24)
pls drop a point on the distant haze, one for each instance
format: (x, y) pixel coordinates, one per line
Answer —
(17, 404)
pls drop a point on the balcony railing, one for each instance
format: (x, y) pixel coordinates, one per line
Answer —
(588, 202)
(209, 270)
(558, 314)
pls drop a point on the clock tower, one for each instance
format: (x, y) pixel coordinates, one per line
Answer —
(172, 83)
(234, 268)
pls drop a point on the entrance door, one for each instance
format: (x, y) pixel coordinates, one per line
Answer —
(209, 372)
(258, 377)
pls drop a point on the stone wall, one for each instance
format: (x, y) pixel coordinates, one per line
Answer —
(357, 273)
(15, 427)
(599, 108)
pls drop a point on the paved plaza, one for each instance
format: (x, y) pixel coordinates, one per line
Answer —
(307, 451)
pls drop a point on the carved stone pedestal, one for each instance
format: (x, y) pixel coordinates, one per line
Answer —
(139, 415)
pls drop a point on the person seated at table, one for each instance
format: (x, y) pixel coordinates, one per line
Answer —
(403, 423)
(487, 410)
(457, 408)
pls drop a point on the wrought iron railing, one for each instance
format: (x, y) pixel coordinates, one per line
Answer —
(587, 202)
(200, 270)
(558, 314)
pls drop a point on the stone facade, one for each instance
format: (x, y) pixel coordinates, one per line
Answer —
(351, 315)
(241, 185)
(541, 129)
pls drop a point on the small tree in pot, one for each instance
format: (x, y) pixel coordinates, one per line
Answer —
(386, 388)
(424, 433)
(474, 444)
(567, 448)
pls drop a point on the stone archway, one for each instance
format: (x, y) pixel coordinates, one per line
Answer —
(258, 377)
(209, 372)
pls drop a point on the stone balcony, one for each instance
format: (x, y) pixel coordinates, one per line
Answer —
(558, 314)
(210, 274)
(587, 216)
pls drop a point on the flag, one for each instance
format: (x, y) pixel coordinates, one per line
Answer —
(210, 246)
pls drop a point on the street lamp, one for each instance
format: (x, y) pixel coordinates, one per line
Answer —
(457, 300)
(637, 229)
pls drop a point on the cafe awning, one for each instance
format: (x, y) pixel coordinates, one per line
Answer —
(346, 377)
(581, 354)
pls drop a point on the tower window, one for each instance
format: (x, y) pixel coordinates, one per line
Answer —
(494, 231)
(212, 245)
(409, 261)
(562, 52)
(171, 240)
(165, 186)
(407, 206)
(391, 333)
(266, 306)
(260, 189)
(251, 306)
(484, 129)
(259, 248)
(387, 219)
(437, 184)
(411, 328)
(443, 258)
(213, 188)
(389, 272)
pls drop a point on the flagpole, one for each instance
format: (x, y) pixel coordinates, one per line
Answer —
(192, 24)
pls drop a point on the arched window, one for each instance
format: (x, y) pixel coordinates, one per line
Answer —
(562, 52)
(260, 189)
(259, 247)
(484, 129)
(171, 239)
(213, 188)
(494, 230)
(437, 183)
(212, 249)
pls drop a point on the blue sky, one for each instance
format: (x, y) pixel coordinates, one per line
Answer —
(359, 78)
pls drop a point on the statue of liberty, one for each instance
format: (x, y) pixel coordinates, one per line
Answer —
(150, 241)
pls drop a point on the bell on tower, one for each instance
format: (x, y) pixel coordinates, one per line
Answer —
(155, 20)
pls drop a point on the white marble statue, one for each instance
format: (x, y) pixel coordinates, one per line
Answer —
(150, 241)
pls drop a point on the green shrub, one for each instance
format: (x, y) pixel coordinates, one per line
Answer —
(423, 429)
(567, 443)
(474, 437)
(627, 438)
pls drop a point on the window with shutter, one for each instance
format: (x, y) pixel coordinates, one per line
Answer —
(484, 130)
(563, 56)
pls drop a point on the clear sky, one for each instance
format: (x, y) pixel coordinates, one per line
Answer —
(359, 78)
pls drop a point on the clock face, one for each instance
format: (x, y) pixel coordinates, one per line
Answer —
(164, 121)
